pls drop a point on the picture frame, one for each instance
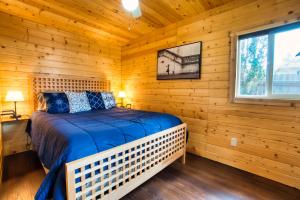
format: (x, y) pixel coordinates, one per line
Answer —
(180, 62)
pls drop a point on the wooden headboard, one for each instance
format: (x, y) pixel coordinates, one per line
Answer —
(44, 83)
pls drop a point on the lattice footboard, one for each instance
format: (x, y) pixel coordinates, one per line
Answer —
(114, 173)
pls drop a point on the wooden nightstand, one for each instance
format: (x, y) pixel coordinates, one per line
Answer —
(14, 137)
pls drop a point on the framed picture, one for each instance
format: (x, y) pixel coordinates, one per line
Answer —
(180, 62)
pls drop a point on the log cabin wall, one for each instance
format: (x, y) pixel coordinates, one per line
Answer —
(268, 136)
(27, 47)
(1, 147)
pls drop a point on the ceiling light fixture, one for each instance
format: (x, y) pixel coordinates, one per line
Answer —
(130, 5)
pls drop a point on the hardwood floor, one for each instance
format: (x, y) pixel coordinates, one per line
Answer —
(22, 176)
(200, 178)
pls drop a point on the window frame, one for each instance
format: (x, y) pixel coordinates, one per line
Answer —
(270, 99)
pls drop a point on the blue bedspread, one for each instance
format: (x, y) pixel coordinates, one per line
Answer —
(61, 138)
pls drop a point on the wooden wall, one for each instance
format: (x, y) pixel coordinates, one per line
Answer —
(27, 47)
(268, 136)
(1, 148)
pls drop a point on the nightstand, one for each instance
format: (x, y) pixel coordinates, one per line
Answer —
(14, 137)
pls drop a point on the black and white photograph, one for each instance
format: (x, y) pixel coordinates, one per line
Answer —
(180, 62)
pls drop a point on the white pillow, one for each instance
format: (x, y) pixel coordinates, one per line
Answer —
(108, 99)
(78, 102)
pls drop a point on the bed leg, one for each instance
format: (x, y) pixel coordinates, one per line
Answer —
(183, 158)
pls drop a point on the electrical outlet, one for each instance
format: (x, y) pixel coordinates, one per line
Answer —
(233, 142)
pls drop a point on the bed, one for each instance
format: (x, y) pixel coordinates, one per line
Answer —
(101, 154)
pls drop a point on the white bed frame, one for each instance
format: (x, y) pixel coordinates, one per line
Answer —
(113, 173)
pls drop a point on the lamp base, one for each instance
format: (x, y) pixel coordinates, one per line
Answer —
(13, 113)
(16, 116)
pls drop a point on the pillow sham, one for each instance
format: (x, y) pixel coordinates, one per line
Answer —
(78, 102)
(41, 101)
(108, 99)
(95, 100)
(56, 102)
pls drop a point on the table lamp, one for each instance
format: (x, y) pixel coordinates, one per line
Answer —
(121, 95)
(14, 96)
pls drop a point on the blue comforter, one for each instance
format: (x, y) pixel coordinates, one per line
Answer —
(61, 138)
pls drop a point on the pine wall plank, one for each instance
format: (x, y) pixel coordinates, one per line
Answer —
(268, 136)
(27, 47)
(1, 147)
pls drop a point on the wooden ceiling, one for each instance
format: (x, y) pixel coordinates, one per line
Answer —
(106, 19)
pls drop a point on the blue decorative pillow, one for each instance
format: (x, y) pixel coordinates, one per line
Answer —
(78, 102)
(96, 101)
(56, 103)
(108, 99)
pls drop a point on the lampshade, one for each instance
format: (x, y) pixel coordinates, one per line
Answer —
(121, 94)
(14, 96)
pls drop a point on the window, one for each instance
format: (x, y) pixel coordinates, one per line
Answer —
(268, 64)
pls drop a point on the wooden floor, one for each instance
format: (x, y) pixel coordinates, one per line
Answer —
(198, 179)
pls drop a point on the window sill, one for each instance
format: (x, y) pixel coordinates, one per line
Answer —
(268, 102)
